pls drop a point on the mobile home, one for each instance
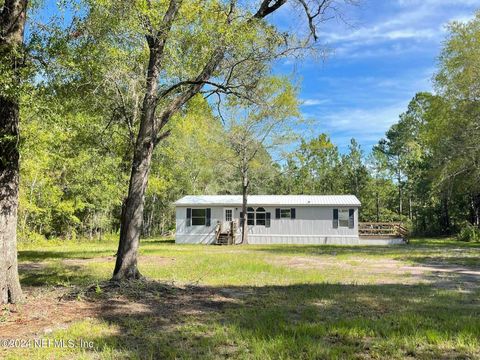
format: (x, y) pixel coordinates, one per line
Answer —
(271, 219)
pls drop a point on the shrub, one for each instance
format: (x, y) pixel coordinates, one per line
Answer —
(469, 233)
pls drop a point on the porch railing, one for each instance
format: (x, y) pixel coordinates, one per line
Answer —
(382, 229)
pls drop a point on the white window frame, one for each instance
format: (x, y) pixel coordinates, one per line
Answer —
(225, 210)
(264, 212)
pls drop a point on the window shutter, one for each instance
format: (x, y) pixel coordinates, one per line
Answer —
(335, 218)
(292, 213)
(241, 218)
(351, 218)
(277, 213)
(189, 216)
(267, 219)
(209, 215)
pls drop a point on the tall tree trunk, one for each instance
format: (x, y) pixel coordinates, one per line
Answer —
(400, 202)
(410, 212)
(475, 205)
(378, 207)
(12, 23)
(132, 211)
(10, 290)
(244, 206)
(445, 215)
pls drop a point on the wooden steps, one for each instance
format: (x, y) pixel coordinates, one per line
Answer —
(224, 239)
(225, 233)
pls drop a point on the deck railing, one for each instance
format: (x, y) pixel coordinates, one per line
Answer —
(382, 229)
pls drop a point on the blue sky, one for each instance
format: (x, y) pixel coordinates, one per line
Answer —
(378, 58)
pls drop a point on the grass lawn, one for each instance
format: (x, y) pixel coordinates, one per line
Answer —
(262, 302)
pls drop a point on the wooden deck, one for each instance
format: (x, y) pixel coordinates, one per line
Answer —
(382, 231)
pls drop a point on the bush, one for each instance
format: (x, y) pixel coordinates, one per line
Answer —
(30, 237)
(469, 233)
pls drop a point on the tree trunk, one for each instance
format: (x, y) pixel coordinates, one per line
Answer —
(475, 206)
(10, 291)
(244, 207)
(12, 24)
(445, 215)
(400, 203)
(132, 211)
(410, 213)
(378, 207)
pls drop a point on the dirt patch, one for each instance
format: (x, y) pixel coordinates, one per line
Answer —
(150, 259)
(49, 309)
(42, 312)
(390, 270)
(323, 263)
(36, 266)
(31, 266)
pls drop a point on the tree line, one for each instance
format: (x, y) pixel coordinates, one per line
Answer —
(75, 167)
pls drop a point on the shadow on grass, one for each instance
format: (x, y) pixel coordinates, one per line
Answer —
(36, 255)
(158, 241)
(445, 262)
(56, 274)
(156, 320)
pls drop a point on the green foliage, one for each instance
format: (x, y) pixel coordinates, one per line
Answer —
(469, 233)
(80, 116)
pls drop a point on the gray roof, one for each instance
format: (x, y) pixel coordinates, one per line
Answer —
(302, 200)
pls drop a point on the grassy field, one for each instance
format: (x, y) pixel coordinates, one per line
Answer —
(262, 302)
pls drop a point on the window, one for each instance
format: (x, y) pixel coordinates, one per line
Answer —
(228, 214)
(343, 217)
(285, 214)
(250, 216)
(199, 216)
(260, 216)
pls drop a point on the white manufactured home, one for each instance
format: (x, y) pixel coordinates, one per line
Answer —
(272, 219)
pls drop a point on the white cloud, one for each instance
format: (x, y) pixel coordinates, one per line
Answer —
(313, 102)
(366, 125)
(407, 26)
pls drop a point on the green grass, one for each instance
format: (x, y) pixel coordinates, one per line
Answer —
(267, 302)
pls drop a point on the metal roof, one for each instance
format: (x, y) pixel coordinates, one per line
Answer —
(305, 200)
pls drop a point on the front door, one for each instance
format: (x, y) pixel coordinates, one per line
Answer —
(227, 217)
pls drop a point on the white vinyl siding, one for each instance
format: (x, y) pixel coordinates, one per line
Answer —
(312, 225)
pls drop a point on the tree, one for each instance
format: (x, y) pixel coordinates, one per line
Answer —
(457, 132)
(12, 24)
(317, 164)
(355, 171)
(223, 48)
(255, 128)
